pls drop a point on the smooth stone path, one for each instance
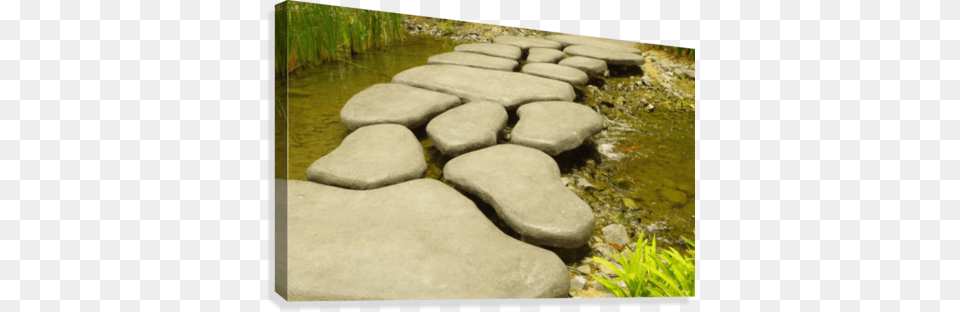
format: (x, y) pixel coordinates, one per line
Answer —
(466, 128)
(523, 186)
(611, 57)
(395, 103)
(543, 55)
(491, 49)
(416, 240)
(566, 74)
(609, 44)
(371, 157)
(528, 43)
(510, 89)
(555, 127)
(474, 60)
(592, 67)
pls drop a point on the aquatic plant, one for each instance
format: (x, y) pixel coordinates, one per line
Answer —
(647, 273)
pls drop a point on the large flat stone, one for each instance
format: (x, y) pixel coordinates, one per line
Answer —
(555, 127)
(371, 157)
(609, 44)
(491, 49)
(543, 55)
(591, 66)
(510, 89)
(566, 74)
(416, 240)
(474, 60)
(609, 56)
(528, 43)
(395, 103)
(523, 186)
(471, 126)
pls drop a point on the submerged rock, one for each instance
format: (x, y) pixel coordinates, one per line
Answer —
(395, 103)
(466, 128)
(473, 84)
(474, 60)
(417, 240)
(611, 57)
(591, 66)
(616, 233)
(566, 74)
(674, 196)
(608, 44)
(542, 55)
(523, 186)
(371, 157)
(491, 49)
(528, 43)
(555, 127)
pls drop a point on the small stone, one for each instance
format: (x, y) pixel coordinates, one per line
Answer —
(491, 49)
(616, 233)
(690, 74)
(606, 251)
(555, 127)
(474, 60)
(585, 269)
(566, 74)
(528, 43)
(466, 128)
(593, 67)
(577, 283)
(611, 57)
(674, 196)
(669, 183)
(543, 55)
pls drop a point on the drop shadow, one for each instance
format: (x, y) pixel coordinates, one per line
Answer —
(492, 215)
(622, 71)
(571, 256)
(578, 157)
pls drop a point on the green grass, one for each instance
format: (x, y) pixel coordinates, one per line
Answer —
(647, 273)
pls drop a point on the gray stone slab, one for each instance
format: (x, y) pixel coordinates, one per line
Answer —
(555, 127)
(474, 60)
(528, 43)
(566, 74)
(417, 240)
(491, 49)
(543, 55)
(510, 89)
(591, 66)
(611, 57)
(371, 157)
(523, 186)
(396, 104)
(609, 44)
(468, 127)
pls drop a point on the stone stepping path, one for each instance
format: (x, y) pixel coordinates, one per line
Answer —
(566, 74)
(417, 240)
(528, 43)
(591, 66)
(474, 60)
(371, 157)
(543, 55)
(523, 185)
(609, 44)
(491, 49)
(468, 127)
(555, 127)
(395, 103)
(510, 89)
(611, 57)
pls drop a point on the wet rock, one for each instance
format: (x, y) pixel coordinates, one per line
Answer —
(527, 43)
(491, 49)
(543, 55)
(371, 157)
(591, 66)
(611, 57)
(509, 89)
(474, 60)
(686, 188)
(577, 283)
(395, 103)
(415, 240)
(523, 186)
(466, 128)
(616, 233)
(555, 127)
(608, 44)
(674, 196)
(566, 74)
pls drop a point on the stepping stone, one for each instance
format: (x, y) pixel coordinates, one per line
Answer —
(591, 66)
(396, 104)
(566, 74)
(474, 60)
(371, 157)
(542, 55)
(491, 49)
(510, 89)
(611, 57)
(555, 127)
(417, 240)
(468, 127)
(523, 186)
(528, 43)
(609, 44)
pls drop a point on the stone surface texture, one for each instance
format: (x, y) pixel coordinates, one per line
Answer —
(611, 57)
(591, 66)
(474, 60)
(528, 43)
(466, 128)
(615, 233)
(609, 44)
(473, 84)
(555, 127)
(371, 157)
(523, 186)
(491, 49)
(396, 104)
(566, 74)
(543, 55)
(417, 240)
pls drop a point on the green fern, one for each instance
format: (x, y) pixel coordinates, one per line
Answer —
(649, 274)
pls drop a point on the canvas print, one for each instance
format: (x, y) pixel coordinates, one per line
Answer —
(420, 158)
